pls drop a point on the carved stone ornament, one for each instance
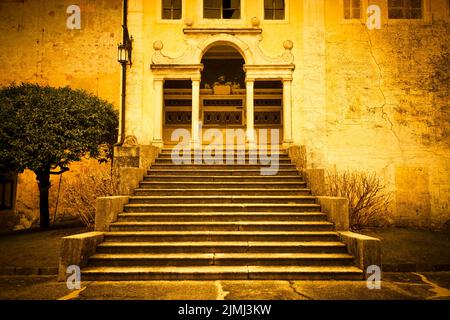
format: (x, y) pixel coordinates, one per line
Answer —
(130, 141)
(245, 40)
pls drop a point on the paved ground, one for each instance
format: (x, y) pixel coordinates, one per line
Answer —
(33, 248)
(407, 247)
(400, 286)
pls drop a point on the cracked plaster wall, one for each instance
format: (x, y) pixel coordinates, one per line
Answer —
(381, 114)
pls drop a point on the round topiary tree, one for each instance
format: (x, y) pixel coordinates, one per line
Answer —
(44, 129)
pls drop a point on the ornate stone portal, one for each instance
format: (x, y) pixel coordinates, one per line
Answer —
(188, 66)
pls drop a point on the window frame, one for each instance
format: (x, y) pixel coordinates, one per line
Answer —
(171, 10)
(425, 20)
(212, 22)
(273, 11)
(405, 9)
(160, 19)
(271, 21)
(221, 10)
(361, 10)
(364, 4)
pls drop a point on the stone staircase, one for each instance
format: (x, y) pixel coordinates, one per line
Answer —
(199, 221)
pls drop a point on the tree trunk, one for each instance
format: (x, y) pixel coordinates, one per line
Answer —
(44, 186)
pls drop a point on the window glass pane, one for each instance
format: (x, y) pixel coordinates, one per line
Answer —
(235, 4)
(347, 14)
(356, 13)
(268, 14)
(211, 4)
(279, 14)
(268, 4)
(212, 13)
(166, 14)
(176, 4)
(416, 14)
(176, 14)
(346, 4)
(279, 4)
(356, 3)
(395, 14)
(395, 3)
(167, 4)
(416, 4)
(231, 13)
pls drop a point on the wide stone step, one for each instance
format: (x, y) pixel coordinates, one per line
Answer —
(221, 184)
(266, 150)
(232, 159)
(223, 226)
(223, 207)
(208, 178)
(261, 160)
(222, 216)
(221, 191)
(223, 273)
(219, 172)
(220, 259)
(223, 167)
(180, 200)
(146, 236)
(211, 161)
(218, 149)
(224, 155)
(222, 246)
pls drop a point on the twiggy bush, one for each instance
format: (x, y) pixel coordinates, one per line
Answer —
(81, 191)
(368, 197)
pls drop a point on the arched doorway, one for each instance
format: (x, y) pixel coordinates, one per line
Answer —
(222, 90)
(227, 98)
(225, 93)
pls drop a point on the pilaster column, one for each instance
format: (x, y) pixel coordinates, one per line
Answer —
(158, 116)
(287, 112)
(249, 86)
(195, 118)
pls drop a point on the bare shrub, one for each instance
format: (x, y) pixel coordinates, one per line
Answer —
(368, 197)
(82, 189)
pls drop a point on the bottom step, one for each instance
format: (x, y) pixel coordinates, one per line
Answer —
(221, 273)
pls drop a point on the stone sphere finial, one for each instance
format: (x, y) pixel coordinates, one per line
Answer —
(189, 22)
(158, 45)
(255, 22)
(288, 45)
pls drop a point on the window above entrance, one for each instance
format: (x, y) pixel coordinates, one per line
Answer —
(222, 9)
(171, 9)
(274, 9)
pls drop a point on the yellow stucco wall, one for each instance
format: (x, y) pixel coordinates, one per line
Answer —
(38, 47)
(360, 97)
